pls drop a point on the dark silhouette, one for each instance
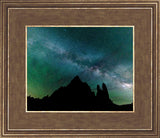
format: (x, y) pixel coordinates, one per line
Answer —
(77, 96)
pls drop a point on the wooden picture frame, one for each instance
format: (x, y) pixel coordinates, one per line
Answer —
(15, 15)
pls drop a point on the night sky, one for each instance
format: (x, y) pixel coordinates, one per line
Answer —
(55, 55)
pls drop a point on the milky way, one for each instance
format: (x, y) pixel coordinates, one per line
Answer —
(55, 55)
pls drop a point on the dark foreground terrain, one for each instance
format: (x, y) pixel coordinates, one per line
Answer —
(77, 96)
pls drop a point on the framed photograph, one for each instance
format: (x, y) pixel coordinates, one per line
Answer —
(79, 68)
(66, 65)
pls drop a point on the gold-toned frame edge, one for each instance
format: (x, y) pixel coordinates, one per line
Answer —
(76, 111)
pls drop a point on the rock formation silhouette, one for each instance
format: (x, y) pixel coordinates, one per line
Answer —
(77, 96)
